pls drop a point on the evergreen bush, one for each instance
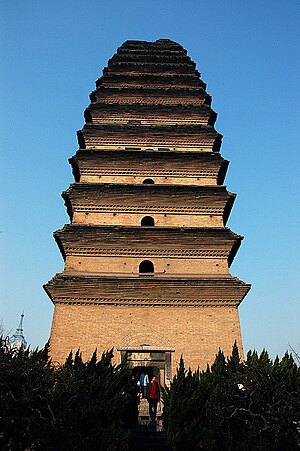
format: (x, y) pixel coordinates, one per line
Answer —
(80, 405)
(234, 405)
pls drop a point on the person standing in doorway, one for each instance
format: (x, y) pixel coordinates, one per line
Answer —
(144, 381)
(153, 396)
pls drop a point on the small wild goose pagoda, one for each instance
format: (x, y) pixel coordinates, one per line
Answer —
(147, 251)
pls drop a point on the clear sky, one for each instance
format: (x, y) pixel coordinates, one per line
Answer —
(248, 54)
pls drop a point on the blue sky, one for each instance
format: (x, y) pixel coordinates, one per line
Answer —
(248, 54)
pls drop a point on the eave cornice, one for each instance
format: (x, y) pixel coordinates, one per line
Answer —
(147, 242)
(143, 97)
(150, 199)
(78, 288)
(149, 163)
(150, 114)
(188, 81)
(149, 135)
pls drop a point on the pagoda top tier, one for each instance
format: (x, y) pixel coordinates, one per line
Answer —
(146, 88)
(161, 63)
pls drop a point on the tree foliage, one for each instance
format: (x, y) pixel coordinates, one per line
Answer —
(80, 405)
(234, 405)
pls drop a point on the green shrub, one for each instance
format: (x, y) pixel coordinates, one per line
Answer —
(80, 405)
(234, 405)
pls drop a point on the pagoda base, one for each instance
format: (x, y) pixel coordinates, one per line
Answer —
(192, 316)
(197, 333)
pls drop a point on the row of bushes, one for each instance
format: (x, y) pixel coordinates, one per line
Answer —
(80, 405)
(234, 405)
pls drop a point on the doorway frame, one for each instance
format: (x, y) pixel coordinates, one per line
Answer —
(150, 356)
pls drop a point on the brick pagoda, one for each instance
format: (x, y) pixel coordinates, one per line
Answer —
(147, 253)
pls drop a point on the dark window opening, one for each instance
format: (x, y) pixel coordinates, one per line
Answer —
(148, 182)
(146, 267)
(147, 221)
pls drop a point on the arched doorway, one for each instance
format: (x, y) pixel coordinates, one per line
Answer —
(148, 182)
(147, 221)
(146, 266)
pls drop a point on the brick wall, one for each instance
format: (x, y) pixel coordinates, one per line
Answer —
(161, 220)
(195, 332)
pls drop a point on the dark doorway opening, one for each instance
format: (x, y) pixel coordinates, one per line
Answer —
(146, 266)
(138, 370)
(148, 182)
(143, 376)
(147, 221)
